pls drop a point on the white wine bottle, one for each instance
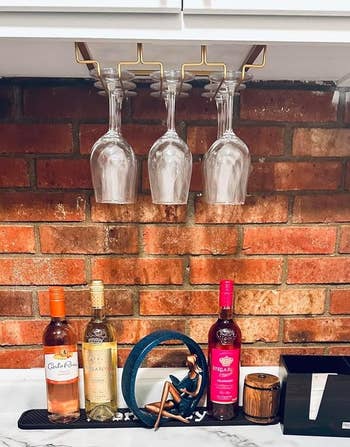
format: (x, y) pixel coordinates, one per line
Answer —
(100, 360)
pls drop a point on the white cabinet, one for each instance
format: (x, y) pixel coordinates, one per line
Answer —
(139, 6)
(268, 7)
(306, 39)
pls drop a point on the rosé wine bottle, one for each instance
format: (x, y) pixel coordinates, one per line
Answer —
(224, 349)
(61, 363)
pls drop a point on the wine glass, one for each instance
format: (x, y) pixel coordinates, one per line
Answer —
(113, 162)
(226, 165)
(169, 159)
(220, 105)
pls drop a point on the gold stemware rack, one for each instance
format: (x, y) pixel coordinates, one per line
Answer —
(83, 56)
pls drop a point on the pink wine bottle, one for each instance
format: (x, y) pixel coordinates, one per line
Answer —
(224, 349)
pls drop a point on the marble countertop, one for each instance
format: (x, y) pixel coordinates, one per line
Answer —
(21, 390)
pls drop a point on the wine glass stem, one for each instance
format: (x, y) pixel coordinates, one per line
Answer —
(171, 106)
(115, 107)
(229, 109)
(219, 106)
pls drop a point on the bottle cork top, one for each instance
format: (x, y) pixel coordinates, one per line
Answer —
(57, 306)
(97, 294)
(226, 293)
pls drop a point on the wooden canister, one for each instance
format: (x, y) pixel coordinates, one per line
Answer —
(261, 398)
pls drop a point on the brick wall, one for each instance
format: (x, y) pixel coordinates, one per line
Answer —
(288, 248)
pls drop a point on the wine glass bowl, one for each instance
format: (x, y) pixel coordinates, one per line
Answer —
(226, 165)
(113, 162)
(170, 168)
(226, 170)
(169, 159)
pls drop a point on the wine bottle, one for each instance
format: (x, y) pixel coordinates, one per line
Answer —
(100, 360)
(61, 363)
(224, 348)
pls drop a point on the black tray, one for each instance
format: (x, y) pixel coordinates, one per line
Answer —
(37, 420)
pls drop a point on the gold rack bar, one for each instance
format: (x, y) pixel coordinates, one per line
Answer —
(88, 61)
(141, 61)
(203, 63)
(249, 62)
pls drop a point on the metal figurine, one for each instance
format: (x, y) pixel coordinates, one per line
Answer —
(183, 393)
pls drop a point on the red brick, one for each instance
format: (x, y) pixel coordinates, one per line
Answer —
(257, 209)
(22, 332)
(347, 107)
(36, 138)
(163, 357)
(339, 350)
(7, 103)
(196, 178)
(132, 330)
(286, 176)
(178, 302)
(78, 302)
(279, 301)
(322, 208)
(17, 239)
(289, 240)
(166, 357)
(89, 239)
(318, 270)
(21, 358)
(138, 271)
(340, 301)
(347, 176)
(243, 271)
(261, 141)
(64, 174)
(303, 330)
(13, 172)
(253, 329)
(139, 136)
(271, 356)
(16, 303)
(64, 102)
(195, 240)
(195, 107)
(145, 106)
(288, 105)
(142, 211)
(36, 207)
(35, 270)
(345, 240)
(321, 142)
(199, 139)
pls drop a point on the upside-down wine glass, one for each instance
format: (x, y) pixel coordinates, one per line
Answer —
(169, 159)
(113, 163)
(226, 165)
(220, 105)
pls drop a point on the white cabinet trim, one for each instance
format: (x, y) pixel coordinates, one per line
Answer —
(268, 7)
(138, 6)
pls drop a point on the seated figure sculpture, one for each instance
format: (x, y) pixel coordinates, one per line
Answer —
(182, 392)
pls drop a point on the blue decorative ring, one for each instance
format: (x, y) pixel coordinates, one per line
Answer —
(135, 359)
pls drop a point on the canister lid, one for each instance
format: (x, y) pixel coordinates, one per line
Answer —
(262, 381)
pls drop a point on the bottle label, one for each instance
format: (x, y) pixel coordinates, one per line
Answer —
(99, 371)
(61, 363)
(224, 375)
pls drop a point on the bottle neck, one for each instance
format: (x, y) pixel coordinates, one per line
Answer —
(58, 319)
(98, 313)
(225, 313)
